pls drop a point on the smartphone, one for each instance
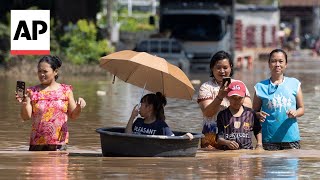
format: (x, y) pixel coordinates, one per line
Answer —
(21, 88)
(226, 79)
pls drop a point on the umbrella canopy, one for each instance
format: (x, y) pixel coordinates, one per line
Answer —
(155, 73)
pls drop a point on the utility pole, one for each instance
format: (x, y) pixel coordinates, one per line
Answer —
(109, 18)
(232, 35)
(154, 7)
(316, 18)
(129, 8)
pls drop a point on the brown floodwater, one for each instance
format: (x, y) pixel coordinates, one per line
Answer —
(83, 159)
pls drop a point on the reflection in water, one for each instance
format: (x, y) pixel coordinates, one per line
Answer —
(280, 168)
(213, 165)
(50, 167)
(114, 109)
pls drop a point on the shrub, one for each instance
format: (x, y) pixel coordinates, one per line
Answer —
(139, 21)
(132, 24)
(82, 45)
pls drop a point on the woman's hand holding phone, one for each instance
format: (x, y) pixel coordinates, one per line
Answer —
(226, 81)
(20, 91)
(224, 87)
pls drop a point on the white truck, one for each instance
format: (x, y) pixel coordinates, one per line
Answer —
(167, 48)
(203, 27)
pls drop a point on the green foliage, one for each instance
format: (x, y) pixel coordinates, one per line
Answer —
(4, 31)
(82, 45)
(139, 21)
(4, 39)
(131, 24)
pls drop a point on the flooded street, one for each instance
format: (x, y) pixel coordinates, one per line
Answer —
(84, 160)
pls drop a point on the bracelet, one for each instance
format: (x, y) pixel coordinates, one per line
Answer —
(221, 99)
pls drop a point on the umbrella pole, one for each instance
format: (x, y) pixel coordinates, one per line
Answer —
(144, 87)
(114, 79)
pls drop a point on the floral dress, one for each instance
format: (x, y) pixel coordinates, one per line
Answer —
(49, 115)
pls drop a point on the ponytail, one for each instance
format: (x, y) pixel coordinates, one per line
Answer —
(158, 102)
(159, 110)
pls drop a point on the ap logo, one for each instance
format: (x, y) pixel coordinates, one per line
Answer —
(30, 32)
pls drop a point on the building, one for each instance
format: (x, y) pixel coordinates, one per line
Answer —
(256, 26)
(256, 32)
(303, 16)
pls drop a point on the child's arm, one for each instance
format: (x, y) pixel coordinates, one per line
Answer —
(230, 144)
(189, 135)
(220, 139)
(133, 116)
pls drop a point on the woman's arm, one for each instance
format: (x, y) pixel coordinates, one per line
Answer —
(256, 106)
(259, 140)
(257, 131)
(247, 102)
(26, 108)
(75, 107)
(210, 107)
(300, 106)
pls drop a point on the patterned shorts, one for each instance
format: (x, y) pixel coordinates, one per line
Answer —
(281, 146)
(208, 140)
(210, 137)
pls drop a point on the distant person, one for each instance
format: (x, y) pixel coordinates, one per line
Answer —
(278, 102)
(317, 46)
(237, 122)
(152, 120)
(212, 96)
(49, 104)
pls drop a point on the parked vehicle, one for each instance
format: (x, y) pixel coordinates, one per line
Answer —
(169, 49)
(202, 27)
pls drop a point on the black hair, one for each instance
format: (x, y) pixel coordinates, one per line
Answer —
(278, 51)
(158, 101)
(54, 61)
(220, 55)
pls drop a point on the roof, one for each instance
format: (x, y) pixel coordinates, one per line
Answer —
(298, 3)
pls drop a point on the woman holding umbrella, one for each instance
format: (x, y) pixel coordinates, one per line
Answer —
(212, 96)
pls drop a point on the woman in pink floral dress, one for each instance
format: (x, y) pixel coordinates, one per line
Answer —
(49, 105)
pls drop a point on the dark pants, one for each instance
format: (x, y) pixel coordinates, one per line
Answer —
(281, 146)
(48, 147)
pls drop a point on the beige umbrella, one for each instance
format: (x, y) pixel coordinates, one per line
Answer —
(150, 72)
